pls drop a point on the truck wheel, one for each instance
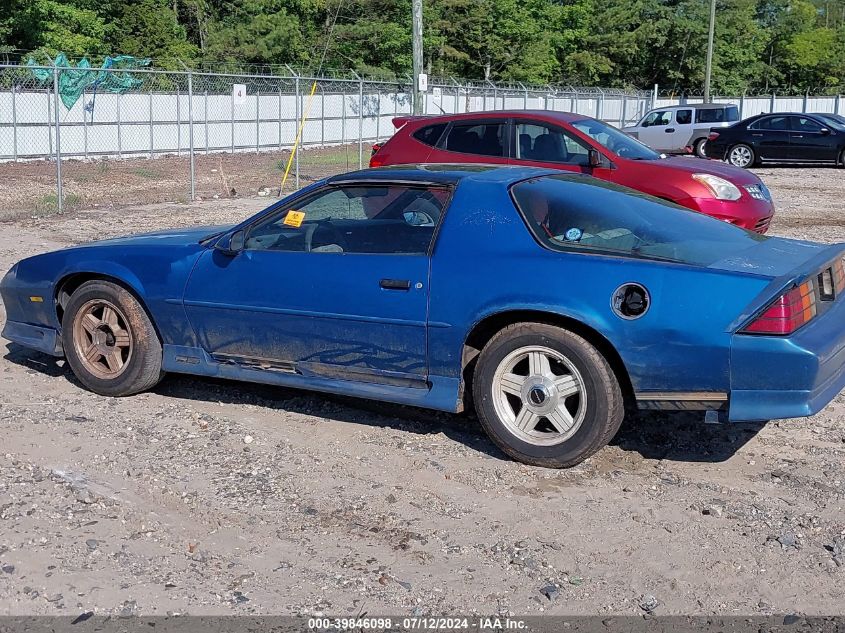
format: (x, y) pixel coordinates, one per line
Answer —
(545, 396)
(698, 148)
(109, 341)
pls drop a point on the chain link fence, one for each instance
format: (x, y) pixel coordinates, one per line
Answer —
(187, 135)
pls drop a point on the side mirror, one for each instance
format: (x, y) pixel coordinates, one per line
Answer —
(595, 158)
(231, 243)
(825, 130)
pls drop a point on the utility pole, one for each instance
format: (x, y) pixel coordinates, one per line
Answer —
(709, 67)
(417, 17)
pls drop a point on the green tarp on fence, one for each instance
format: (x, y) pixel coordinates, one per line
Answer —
(73, 80)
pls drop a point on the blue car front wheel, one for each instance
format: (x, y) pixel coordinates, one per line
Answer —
(546, 396)
(109, 341)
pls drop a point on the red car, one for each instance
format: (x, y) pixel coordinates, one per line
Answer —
(574, 142)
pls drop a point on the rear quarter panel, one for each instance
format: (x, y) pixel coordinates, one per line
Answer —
(486, 262)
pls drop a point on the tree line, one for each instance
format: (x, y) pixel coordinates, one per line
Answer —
(760, 45)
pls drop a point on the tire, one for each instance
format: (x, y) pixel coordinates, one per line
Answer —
(741, 155)
(109, 341)
(698, 148)
(510, 364)
(841, 161)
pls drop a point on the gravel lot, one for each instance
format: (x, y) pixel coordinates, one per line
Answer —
(208, 497)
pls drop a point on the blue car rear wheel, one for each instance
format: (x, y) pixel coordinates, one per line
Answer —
(546, 396)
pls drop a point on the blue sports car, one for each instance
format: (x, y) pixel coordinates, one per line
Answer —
(546, 301)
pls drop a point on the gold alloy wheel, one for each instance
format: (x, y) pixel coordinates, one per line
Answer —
(102, 339)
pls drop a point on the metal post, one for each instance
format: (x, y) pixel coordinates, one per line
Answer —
(85, 126)
(257, 119)
(624, 110)
(836, 104)
(58, 139)
(322, 117)
(50, 118)
(151, 123)
(15, 124)
(360, 122)
(296, 128)
(804, 101)
(232, 117)
(709, 66)
(600, 106)
(417, 29)
(191, 132)
(772, 103)
(742, 106)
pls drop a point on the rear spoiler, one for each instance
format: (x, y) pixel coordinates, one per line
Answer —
(779, 285)
(399, 121)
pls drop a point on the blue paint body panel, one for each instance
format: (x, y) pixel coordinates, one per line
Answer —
(321, 320)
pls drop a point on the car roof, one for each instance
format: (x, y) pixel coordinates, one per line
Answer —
(566, 117)
(446, 174)
(700, 106)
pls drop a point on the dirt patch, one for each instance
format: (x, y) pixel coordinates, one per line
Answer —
(29, 188)
(212, 497)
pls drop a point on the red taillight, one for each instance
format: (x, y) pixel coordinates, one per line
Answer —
(375, 160)
(712, 136)
(788, 312)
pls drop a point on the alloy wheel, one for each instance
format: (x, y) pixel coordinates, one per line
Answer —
(740, 156)
(539, 395)
(102, 339)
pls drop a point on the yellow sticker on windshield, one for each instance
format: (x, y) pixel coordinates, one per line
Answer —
(295, 218)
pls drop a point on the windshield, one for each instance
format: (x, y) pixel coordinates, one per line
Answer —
(569, 213)
(615, 140)
(834, 120)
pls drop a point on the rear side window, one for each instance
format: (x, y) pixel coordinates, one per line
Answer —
(430, 134)
(569, 213)
(683, 117)
(732, 113)
(486, 139)
(715, 115)
(771, 123)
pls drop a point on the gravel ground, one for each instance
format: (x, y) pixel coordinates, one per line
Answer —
(211, 497)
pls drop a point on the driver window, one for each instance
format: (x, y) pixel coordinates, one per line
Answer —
(662, 117)
(387, 219)
(540, 142)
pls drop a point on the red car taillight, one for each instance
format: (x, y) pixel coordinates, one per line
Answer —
(787, 313)
(712, 136)
(374, 159)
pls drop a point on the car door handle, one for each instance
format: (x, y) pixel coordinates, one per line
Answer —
(760, 134)
(797, 136)
(669, 129)
(395, 284)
